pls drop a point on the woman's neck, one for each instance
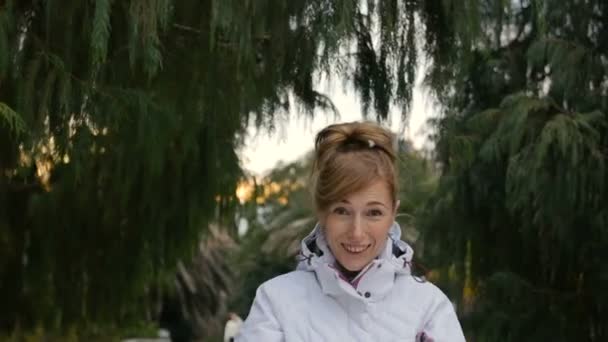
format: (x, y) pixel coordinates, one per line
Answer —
(349, 275)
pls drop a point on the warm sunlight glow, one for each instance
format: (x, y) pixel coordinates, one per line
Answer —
(245, 190)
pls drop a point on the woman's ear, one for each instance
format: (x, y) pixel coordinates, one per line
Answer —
(397, 204)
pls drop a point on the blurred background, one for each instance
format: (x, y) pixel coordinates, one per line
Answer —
(155, 154)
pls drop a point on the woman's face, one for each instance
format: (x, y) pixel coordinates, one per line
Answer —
(356, 228)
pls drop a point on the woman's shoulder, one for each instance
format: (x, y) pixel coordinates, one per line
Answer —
(421, 289)
(292, 282)
(289, 291)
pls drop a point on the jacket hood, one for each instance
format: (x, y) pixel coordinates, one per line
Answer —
(314, 250)
(383, 303)
(378, 277)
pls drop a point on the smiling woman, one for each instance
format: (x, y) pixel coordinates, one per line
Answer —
(355, 191)
(357, 226)
(354, 281)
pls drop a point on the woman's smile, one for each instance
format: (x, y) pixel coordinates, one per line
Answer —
(356, 248)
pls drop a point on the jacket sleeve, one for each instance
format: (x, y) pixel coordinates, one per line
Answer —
(261, 323)
(442, 324)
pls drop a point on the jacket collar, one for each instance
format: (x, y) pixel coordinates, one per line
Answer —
(373, 282)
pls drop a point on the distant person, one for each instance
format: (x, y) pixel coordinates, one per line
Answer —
(233, 325)
(353, 281)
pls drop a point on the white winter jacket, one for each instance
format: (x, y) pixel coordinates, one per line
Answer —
(383, 303)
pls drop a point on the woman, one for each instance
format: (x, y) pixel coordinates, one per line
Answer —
(353, 281)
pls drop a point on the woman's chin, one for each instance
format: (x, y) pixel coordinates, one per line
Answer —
(353, 266)
(355, 260)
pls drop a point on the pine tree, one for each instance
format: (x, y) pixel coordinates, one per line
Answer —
(519, 219)
(119, 122)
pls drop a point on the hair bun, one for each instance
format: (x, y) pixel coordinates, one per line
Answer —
(350, 156)
(351, 136)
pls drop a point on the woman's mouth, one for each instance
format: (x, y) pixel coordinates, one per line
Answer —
(355, 248)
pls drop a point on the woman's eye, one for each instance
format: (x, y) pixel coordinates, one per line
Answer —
(375, 212)
(341, 211)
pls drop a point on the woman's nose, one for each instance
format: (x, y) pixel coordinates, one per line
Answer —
(357, 229)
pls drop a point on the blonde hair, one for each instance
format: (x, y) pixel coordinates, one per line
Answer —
(349, 157)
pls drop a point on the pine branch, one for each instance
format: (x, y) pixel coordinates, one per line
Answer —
(25, 187)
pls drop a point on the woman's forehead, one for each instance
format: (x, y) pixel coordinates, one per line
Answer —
(375, 193)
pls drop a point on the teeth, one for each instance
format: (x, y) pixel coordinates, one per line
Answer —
(355, 248)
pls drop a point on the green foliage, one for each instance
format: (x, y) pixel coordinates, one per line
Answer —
(255, 266)
(522, 151)
(417, 183)
(11, 119)
(100, 33)
(120, 121)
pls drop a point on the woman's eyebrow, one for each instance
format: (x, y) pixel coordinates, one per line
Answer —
(376, 202)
